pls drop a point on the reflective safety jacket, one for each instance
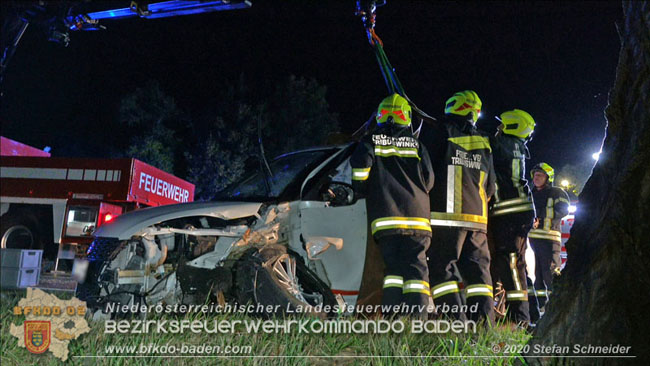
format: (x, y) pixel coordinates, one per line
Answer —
(551, 204)
(462, 162)
(394, 168)
(512, 193)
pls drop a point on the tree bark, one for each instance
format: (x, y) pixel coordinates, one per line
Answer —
(603, 295)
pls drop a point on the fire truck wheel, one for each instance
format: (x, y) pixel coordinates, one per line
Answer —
(277, 279)
(18, 232)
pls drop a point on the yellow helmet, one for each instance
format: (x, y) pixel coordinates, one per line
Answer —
(464, 103)
(394, 109)
(544, 168)
(517, 123)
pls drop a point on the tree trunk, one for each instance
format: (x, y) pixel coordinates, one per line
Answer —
(602, 297)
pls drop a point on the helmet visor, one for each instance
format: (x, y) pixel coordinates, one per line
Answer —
(398, 116)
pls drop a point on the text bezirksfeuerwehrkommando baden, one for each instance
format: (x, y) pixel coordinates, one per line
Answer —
(277, 326)
(345, 325)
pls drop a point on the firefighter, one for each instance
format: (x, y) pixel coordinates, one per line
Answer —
(393, 170)
(551, 205)
(465, 182)
(512, 212)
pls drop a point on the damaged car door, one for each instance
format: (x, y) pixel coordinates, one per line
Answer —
(334, 229)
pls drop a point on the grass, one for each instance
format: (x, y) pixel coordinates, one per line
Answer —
(404, 348)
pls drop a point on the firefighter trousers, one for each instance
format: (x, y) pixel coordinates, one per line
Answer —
(508, 252)
(406, 274)
(457, 253)
(547, 263)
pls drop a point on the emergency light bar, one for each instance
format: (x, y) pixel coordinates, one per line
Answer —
(49, 15)
(168, 9)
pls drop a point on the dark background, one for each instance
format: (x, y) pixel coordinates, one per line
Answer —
(556, 60)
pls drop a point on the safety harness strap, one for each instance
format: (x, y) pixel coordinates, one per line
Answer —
(368, 16)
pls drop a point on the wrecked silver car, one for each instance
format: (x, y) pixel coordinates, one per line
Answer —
(296, 237)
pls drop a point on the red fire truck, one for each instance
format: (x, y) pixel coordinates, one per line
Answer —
(47, 201)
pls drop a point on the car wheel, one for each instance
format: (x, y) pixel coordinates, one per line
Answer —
(275, 278)
(18, 232)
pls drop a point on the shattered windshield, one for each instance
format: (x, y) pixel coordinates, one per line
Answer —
(286, 168)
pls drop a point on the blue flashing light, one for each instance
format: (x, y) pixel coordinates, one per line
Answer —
(175, 5)
(114, 14)
(171, 8)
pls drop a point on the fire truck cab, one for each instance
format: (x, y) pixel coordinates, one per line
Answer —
(55, 204)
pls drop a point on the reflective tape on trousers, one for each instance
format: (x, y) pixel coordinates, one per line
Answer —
(479, 290)
(517, 296)
(444, 289)
(414, 223)
(415, 286)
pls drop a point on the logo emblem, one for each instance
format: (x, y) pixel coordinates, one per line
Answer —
(37, 335)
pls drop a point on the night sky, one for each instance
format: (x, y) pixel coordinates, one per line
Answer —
(555, 60)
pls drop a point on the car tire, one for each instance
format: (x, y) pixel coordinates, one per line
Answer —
(274, 278)
(19, 232)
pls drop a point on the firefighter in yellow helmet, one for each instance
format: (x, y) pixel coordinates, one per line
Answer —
(551, 205)
(512, 212)
(465, 181)
(392, 169)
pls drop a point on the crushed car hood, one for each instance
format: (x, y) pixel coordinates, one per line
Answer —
(130, 223)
